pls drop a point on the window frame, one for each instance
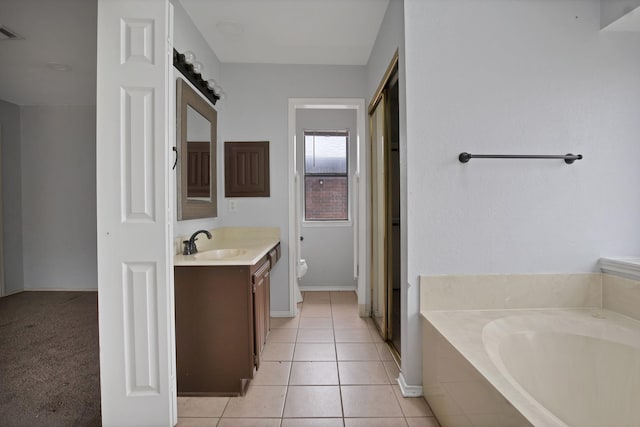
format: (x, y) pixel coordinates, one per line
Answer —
(346, 133)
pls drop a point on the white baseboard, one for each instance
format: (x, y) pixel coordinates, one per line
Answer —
(281, 313)
(363, 310)
(409, 390)
(321, 288)
(13, 292)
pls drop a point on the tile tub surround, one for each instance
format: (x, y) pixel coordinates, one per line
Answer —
(256, 241)
(457, 393)
(462, 379)
(621, 285)
(621, 295)
(510, 291)
(448, 354)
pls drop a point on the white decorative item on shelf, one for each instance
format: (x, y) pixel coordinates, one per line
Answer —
(189, 57)
(197, 69)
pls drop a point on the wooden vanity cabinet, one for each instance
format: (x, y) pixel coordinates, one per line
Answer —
(222, 323)
(261, 287)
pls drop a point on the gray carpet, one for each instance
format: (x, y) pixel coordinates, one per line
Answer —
(49, 359)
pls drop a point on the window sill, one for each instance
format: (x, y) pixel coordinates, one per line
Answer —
(320, 224)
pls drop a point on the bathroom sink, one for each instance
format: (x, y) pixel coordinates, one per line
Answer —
(216, 254)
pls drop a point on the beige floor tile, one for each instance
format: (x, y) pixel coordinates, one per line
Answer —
(320, 296)
(344, 297)
(272, 373)
(312, 402)
(201, 406)
(357, 351)
(375, 336)
(197, 422)
(261, 401)
(362, 373)
(412, 406)
(249, 422)
(422, 422)
(349, 322)
(314, 352)
(282, 335)
(344, 310)
(370, 401)
(392, 370)
(314, 373)
(284, 322)
(383, 351)
(375, 422)
(278, 351)
(316, 323)
(315, 335)
(312, 422)
(315, 310)
(353, 335)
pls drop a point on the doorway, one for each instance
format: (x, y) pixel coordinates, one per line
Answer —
(357, 188)
(385, 208)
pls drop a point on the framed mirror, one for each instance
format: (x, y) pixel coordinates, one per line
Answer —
(196, 128)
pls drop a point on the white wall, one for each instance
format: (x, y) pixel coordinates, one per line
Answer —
(327, 248)
(11, 197)
(186, 37)
(611, 10)
(59, 197)
(519, 77)
(391, 38)
(256, 109)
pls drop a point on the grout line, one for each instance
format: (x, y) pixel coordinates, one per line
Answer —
(335, 348)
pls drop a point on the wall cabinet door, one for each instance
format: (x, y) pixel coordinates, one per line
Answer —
(246, 169)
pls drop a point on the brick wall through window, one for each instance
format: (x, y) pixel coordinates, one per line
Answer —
(326, 198)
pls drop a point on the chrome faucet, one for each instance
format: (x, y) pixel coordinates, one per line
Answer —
(190, 247)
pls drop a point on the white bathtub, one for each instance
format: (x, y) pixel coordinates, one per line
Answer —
(577, 367)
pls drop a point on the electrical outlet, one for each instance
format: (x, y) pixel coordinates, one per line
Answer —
(233, 205)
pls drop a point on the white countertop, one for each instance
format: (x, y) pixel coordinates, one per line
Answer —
(255, 242)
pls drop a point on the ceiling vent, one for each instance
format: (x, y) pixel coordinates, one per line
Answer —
(7, 34)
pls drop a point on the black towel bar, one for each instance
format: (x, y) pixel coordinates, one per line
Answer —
(568, 158)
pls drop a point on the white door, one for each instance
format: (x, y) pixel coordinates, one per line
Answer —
(135, 307)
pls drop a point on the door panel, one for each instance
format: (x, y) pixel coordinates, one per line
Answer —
(378, 222)
(134, 276)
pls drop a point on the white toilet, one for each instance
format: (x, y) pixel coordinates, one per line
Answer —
(302, 270)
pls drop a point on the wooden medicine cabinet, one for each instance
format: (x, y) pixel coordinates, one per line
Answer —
(246, 169)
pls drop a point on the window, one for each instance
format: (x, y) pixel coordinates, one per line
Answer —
(326, 176)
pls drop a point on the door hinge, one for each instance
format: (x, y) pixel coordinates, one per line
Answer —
(254, 288)
(255, 359)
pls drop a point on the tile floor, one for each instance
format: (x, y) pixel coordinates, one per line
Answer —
(327, 367)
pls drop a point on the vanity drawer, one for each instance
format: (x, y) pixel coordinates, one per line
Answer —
(274, 255)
